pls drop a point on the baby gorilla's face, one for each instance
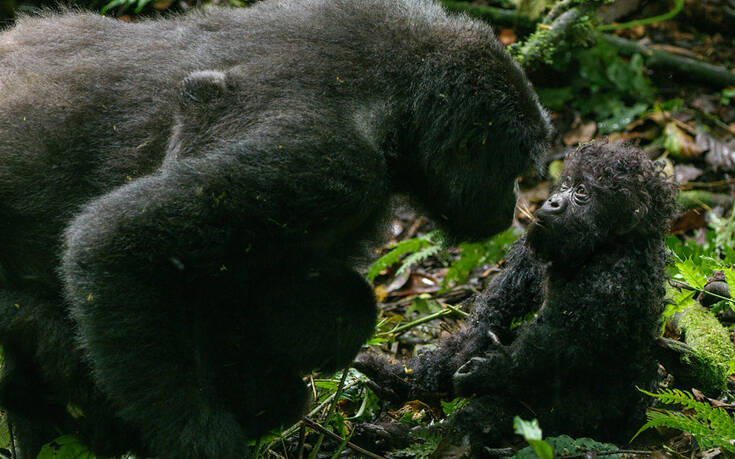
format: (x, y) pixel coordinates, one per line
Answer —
(567, 228)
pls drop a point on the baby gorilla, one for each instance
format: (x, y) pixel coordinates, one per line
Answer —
(592, 266)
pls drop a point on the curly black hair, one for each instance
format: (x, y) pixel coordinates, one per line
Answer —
(592, 268)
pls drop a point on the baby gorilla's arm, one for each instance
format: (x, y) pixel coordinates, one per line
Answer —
(515, 292)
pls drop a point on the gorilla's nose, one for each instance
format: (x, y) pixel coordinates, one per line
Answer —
(556, 204)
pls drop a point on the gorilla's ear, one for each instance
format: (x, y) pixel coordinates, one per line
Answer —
(202, 87)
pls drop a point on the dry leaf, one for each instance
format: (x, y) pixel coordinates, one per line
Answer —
(679, 143)
(580, 132)
(507, 37)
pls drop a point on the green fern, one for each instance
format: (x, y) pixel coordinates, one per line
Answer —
(690, 273)
(711, 427)
(418, 257)
(416, 246)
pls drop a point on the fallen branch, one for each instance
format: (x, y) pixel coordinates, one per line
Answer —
(692, 69)
(606, 453)
(541, 46)
(491, 14)
(557, 25)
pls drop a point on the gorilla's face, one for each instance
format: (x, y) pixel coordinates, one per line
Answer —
(471, 193)
(569, 224)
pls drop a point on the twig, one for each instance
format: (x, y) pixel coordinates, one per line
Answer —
(557, 10)
(294, 428)
(606, 453)
(313, 425)
(444, 312)
(489, 13)
(715, 184)
(697, 289)
(302, 441)
(11, 434)
(332, 409)
(678, 5)
(674, 345)
(456, 310)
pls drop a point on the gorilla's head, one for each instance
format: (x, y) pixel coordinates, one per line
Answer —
(606, 191)
(475, 126)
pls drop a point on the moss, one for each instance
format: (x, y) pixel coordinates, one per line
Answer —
(713, 350)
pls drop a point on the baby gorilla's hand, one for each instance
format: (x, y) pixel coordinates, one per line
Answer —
(482, 375)
(387, 379)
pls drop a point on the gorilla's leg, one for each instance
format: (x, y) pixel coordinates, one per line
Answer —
(34, 419)
(263, 398)
(151, 359)
(38, 349)
(329, 312)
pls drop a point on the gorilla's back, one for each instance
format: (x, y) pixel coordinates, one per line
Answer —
(87, 102)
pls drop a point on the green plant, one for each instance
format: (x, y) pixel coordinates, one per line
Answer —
(472, 255)
(711, 427)
(417, 248)
(564, 445)
(426, 442)
(450, 407)
(124, 4)
(602, 86)
(65, 447)
(531, 432)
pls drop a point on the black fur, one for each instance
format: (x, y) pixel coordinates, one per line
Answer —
(185, 199)
(599, 297)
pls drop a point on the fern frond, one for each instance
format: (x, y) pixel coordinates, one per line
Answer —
(711, 427)
(691, 273)
(392, 257)
(417, 257)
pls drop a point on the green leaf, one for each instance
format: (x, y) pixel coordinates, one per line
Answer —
(531, 431)
(690, 273)
(621, 119)
(113, 4)
(477, 253)
(66, 447)
(450, 407)
(392, 257)
(711, 427)
(555, 98)
(141, 5)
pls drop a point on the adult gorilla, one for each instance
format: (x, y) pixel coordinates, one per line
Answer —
(196, 189)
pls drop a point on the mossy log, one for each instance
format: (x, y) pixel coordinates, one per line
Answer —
(706, 356)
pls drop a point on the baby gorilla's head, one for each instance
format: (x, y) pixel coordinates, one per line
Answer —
(606, 192)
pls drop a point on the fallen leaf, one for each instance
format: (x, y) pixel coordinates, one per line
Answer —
(507, 37)
(686, 172)
(417, 283)
(719, 155)
(679, 143)
(580, 132)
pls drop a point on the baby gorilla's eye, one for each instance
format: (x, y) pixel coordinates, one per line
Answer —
(581, 195)
(565, 184)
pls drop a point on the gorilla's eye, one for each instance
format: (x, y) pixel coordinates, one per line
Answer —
(566, 184)
(581, 195)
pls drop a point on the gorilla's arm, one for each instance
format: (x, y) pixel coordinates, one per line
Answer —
(573, 304)
(515, 292)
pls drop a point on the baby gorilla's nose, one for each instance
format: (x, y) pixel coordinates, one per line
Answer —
(556, 204)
